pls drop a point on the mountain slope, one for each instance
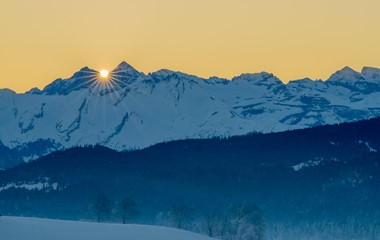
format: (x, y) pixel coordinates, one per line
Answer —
(135, 110)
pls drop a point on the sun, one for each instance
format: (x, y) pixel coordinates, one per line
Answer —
(104, 73)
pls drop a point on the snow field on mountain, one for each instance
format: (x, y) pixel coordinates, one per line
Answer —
(139, 110)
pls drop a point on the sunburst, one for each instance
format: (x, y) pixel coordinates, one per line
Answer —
(104, 74)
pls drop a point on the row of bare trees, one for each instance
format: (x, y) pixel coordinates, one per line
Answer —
(238, 222)
(103, 207)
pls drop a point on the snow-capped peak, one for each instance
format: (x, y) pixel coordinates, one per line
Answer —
(259, 79)
(85, 71)
(140, 110)
(34, 90)
(371, 73)
(84, 78)
(124, 67)
(125, 74)
(6, 91)
(346, 74)
(163, 73)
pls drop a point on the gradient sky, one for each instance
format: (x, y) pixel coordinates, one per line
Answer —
(41, 40)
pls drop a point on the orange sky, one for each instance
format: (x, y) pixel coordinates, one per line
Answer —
(42, 40)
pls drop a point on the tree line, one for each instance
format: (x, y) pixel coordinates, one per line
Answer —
(102, 207)
(237, 222)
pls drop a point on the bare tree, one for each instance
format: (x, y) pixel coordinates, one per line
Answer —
(180, 215)
(224, 224)
(126, 208)
(101, 207)
(247, 222)
(210, 223)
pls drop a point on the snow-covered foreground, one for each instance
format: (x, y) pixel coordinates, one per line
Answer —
(18, 228)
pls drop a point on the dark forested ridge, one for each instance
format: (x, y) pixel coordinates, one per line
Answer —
(305, 180)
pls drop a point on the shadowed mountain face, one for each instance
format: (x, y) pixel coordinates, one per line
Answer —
(323, 179)
(134, 110)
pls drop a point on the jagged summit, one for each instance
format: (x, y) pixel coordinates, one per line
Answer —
(347, 70)
(86, 69)
(124, 67)
(371, 73)
(86, 78)
(346, 74)
(140, 110)
(165, 73)
(262, 79)
(34, 90)
(365, 82)
(257, 77)
(83, 72)
(125, 74)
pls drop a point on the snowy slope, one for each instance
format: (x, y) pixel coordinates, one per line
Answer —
(136, 110)
(17, 228)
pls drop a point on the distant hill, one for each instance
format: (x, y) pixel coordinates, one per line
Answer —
(301, 180)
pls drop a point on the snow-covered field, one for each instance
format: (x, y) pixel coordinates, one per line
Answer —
(19, 228)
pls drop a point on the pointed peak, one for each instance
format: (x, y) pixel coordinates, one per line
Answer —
(346, 74)
(125, 67)
(347, 69)
(124, 64)
(79, 80)
(34, 90)
(84, 69)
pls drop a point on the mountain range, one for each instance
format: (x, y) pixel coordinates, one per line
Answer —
(133, 110)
